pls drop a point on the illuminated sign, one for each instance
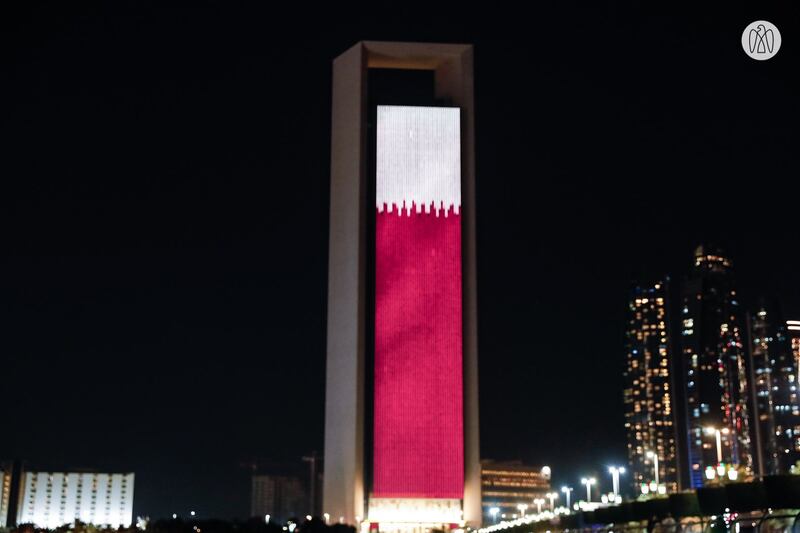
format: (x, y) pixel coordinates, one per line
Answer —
(418, 404)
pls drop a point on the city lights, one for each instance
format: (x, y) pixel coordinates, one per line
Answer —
(274, 252)
(648, 395)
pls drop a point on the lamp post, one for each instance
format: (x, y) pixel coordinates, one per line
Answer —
(718, 434)
(494, 512)
(538, 503)
(552, 496)
(588, 481)
(615, 472)
(522, 508)
(568, 492)
(654, 457)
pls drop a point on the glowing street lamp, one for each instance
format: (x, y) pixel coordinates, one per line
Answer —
(654, 457)
(522, 508)
(710, 430)
(494, 512)
(588, 481)
(538, 503)
(568, 492)
(615, 472)
(552, 496)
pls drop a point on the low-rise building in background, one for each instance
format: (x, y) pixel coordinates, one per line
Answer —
(282, 497)
(53, 499)
(510, 488)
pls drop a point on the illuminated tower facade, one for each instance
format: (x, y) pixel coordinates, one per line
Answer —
(401, 419)
(648, 396)
(775, 381)
(714, 363)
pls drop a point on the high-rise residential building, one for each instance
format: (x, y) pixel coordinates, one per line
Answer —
(401, 406)
(282, 497)
(52, 499)
(775, 399)
(793, 330)
(508, 485)
(648, 395)
(715, 372)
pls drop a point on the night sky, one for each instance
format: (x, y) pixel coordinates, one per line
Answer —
(163, 220)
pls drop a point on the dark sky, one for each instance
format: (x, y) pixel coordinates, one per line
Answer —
(163, 216)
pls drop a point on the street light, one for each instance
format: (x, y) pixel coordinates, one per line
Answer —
(552, 496)
(718, 433)
(494, 511)
(568, 492)
(615, 472)
(522, 508)
(588, 481)
(654, 457)
(538, 503)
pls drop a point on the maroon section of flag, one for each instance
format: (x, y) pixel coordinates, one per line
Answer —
(418, 412)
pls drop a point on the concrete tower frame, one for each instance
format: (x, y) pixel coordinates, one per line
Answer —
(345, 490)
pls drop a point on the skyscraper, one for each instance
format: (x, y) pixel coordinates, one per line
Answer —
(401, 413)
(714, 363)
(648, 397)
(793, 330)
(775, 379)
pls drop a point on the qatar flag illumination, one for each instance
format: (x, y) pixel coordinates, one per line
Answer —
(418, 403)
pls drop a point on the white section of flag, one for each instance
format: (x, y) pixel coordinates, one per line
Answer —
(418, 158)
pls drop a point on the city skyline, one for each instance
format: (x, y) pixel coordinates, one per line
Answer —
(727, 405)
(166, 235)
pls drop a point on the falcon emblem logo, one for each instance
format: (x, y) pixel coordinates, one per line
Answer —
(761, 40)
